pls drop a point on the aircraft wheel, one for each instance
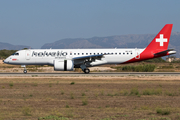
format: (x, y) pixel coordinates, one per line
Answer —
(86, 71)
(25, 71)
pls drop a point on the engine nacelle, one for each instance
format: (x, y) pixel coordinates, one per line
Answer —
(63, 65)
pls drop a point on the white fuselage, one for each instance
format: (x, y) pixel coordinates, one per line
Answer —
(47, 56)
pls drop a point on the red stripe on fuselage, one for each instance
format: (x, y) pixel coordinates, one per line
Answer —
(14, 59)
(142, 56)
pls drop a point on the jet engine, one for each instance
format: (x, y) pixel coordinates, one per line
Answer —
(63, 65)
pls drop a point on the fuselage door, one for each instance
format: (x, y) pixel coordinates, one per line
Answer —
(28, 54)
(137, 53)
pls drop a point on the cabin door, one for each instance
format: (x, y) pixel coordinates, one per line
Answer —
(28, 54)
(137, 53)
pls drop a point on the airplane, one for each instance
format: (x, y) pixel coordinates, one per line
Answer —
(68, 59)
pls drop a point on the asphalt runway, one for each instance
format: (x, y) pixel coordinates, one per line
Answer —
(92, 74)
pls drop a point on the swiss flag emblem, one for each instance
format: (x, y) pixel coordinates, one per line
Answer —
(161, 40)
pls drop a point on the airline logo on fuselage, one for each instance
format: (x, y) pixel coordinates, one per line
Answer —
(51, 54)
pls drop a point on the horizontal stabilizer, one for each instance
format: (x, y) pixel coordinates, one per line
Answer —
(172, 52)
(163, 52)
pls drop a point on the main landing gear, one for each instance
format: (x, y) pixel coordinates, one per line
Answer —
(84, 69)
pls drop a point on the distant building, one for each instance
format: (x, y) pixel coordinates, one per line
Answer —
(170, 59)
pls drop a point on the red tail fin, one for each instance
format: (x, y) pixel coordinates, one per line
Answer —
(158, 46)
(161, 41)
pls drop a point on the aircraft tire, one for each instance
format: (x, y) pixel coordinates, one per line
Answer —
(25, 71)
(86, 71)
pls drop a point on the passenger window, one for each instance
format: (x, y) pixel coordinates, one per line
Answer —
(131, 53)
(74, 53)
(86, 53)
(90, 53)
(82, 53)
(70, 53)
(127, 53)
(78, 53)
(119, 53)
(123, 53)
(94, 53)
(116, 53)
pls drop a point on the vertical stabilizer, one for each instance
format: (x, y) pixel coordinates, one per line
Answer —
(161, 41)
(157, 47)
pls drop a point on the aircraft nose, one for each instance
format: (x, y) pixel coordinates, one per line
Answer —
(5, 61)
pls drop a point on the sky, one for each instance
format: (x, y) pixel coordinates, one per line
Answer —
(36, 22)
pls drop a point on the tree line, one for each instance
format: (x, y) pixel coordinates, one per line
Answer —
(5, 53)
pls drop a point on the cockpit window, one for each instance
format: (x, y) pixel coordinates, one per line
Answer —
(16, 54)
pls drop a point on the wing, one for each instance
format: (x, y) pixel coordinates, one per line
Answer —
(87, 60)
(89, 57)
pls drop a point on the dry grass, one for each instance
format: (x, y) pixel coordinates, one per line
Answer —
(99, 99)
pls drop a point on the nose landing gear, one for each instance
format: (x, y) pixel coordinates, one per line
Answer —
(25, 71)
(24, 66)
